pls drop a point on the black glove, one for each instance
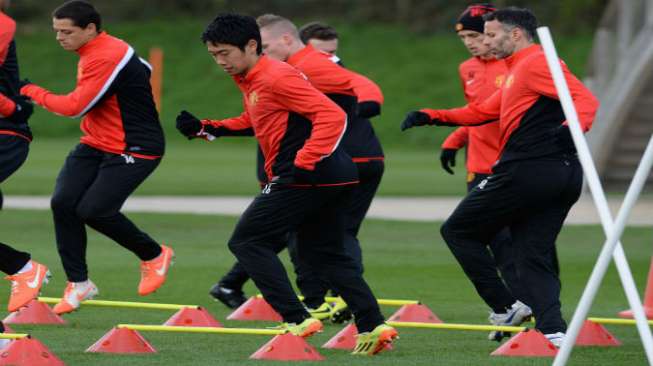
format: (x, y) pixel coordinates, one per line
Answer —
(416, 118)
(24, 109)
(188, 124)
(448, 159)
(563, 138)
(368, 109)
(303, 176)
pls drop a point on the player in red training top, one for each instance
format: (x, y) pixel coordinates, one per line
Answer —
(310, 177)
(26, 275)
(321, 36)
(535, 183)
(122, 144)
(229, 289)
(361, 99)
(482, 75)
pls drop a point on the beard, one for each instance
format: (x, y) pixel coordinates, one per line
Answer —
(504, 48)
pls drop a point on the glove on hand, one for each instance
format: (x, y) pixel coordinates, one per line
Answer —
(188, 125)
(24, 109)
(416, 118)
(448, 159)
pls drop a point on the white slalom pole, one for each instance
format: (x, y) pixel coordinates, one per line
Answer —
(613, 232)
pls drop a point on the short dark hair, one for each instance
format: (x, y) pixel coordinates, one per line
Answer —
(82, 14)
(234, 29)
(513, 17)
(317, 30)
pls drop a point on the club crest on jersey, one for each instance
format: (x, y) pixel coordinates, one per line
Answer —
(252, 99)
(498, 82)
(509, 81)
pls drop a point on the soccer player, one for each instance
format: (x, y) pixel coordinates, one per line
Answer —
(321, 36)
(122, 144)
(26, 276)
(229, 289)
(299, 130)
(537, 180)
(361, 99)
(481, 75)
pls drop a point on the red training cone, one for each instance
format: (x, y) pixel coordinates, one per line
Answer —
(648, 298)
(28, 352)
(35, 312)
(594, 334)
(256, 308)
(287, 347)
(529, 343)
(415, 313)
(345, 339)
(122, 340)
(193, 317)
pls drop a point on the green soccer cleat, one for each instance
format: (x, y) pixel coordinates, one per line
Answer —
(340, 312)
(371, 343)
(304, 329)
(322, 312)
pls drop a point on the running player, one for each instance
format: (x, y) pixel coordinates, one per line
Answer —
(299, 130)
(536, 181)
(122, 144)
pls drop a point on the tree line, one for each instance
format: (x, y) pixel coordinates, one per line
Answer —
(569, 16)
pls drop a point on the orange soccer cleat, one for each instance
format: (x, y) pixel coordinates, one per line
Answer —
(153, 272)
(27, 285)
(73, 295)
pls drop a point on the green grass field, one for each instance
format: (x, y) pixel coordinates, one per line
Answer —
(402, 260)
(226, 167)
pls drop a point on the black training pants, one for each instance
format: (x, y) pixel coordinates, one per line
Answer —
(237, 276)
(13, 153)
(531, 198)
(501, 248)
(313, 286)
(91, 188)
(317, 216)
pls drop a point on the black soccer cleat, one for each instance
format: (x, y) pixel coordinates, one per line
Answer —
(229, 297)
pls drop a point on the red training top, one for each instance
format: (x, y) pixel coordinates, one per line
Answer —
(9, 81)
(527, 106)
(480, 79)
(7, 107)
(114, 96)
(293, 122)
(346, 88)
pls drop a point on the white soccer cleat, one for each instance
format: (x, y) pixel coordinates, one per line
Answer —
(556, 338)
(516, 315)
